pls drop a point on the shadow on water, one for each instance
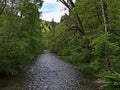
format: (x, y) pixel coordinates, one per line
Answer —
(12, 82)
(50, 73)
(19, 82)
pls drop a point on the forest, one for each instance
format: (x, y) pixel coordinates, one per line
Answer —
(89, 37)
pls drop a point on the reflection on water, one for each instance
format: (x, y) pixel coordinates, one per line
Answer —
(19, 82)
(12, 83)
(49, 73)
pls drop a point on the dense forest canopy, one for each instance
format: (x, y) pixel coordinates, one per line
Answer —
(89, 37)
(20, 33)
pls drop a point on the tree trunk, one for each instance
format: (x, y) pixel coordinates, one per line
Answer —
(3, 5)
(70, 5)
(107, 59)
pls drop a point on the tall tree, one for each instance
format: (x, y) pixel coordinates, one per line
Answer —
(104, 8)
(78, 24)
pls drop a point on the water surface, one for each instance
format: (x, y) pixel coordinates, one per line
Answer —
(49, 72)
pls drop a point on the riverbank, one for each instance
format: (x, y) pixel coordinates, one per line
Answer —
(49, 72)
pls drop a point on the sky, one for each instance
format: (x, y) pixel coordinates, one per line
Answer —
(53, 10)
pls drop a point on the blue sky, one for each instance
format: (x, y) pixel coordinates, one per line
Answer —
(52, 9)
(49, 7)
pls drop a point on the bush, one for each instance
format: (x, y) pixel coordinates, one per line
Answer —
(7, 67)
(112, 78)
(96, 66)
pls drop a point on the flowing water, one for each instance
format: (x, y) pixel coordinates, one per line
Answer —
(49, 72)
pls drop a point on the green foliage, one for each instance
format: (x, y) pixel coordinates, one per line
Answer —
(6, 67)
(96, 66)
(95, 50)
(20, 35)
(112, 78)
(80, 37)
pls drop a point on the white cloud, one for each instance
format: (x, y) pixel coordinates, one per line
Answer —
(50, 12)
(53, 15)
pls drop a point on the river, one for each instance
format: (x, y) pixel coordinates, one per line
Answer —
(49, 72)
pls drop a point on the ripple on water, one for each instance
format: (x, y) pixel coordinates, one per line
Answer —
(49, 72)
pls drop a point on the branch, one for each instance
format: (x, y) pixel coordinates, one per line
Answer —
(73, 35)
(72, 4)
(7, 49)
(81, 33)
(69, 4)
(3, 6)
